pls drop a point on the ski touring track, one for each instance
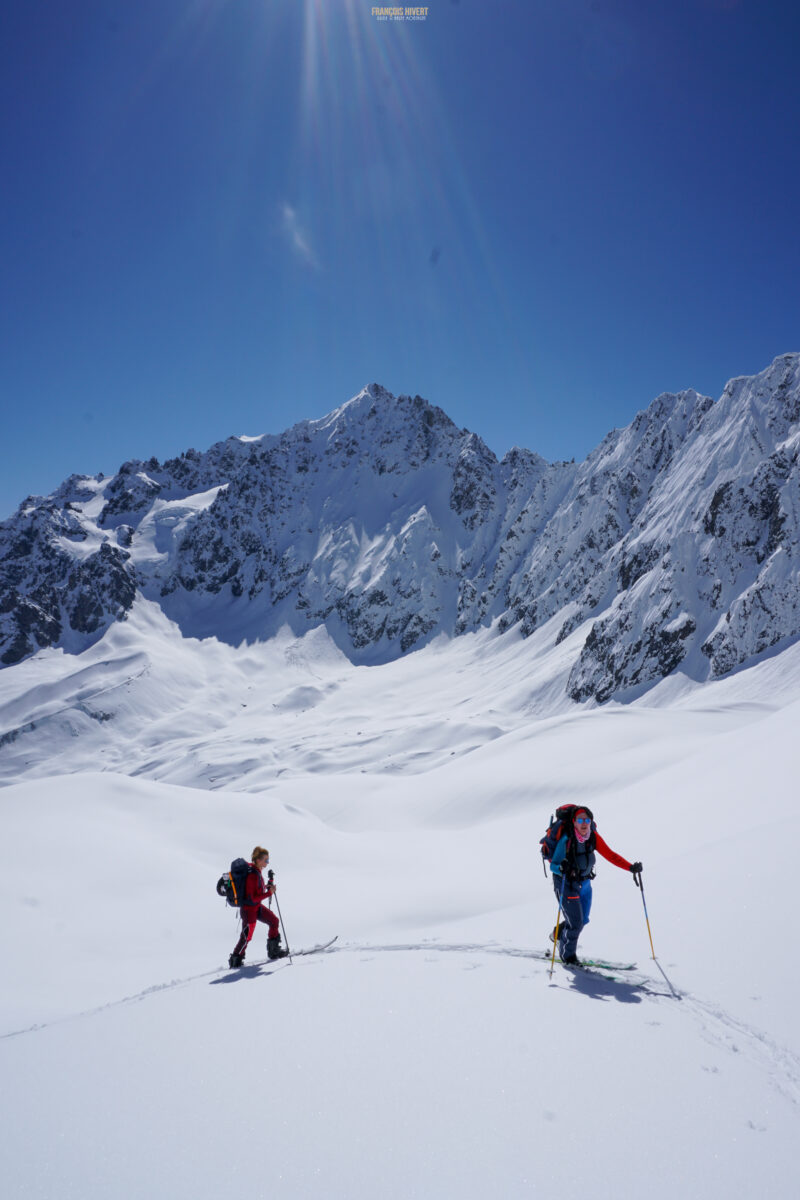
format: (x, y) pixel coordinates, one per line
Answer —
(248, 970)
(718, 1027)
(781, 1065)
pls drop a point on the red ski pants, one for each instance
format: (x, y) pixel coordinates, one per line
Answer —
(250, 916)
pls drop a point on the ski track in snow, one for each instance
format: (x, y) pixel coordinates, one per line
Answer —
(717, 1027)
(250, 969)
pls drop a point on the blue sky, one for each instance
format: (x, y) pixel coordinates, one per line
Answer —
(222, 216)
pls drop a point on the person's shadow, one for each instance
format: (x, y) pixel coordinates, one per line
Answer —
(604, 987)
(248, 971)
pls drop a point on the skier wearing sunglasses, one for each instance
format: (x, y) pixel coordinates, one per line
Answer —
(572, 866)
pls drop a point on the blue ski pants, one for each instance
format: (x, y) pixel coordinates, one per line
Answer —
(576, 905)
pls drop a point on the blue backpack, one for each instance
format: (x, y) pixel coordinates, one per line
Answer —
(231, 885)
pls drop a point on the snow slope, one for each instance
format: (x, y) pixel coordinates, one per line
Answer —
(430, 1054)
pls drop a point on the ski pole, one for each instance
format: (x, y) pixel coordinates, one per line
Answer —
(637, 879)
(271, 877)
(558, 922)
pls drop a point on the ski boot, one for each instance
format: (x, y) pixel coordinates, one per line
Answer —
(236, 960)
(274, 948)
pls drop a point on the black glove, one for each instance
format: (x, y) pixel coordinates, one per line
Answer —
(636, 869)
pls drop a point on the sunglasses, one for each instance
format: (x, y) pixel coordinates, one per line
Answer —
(583, 821)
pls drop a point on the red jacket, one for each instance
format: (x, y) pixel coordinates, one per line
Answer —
(611, 855)
(255, 890)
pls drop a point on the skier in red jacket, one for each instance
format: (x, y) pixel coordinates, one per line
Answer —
(253, 910)
(572, 868)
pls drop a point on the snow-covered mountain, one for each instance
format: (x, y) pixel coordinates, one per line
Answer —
(675, 543)
(434, 1051)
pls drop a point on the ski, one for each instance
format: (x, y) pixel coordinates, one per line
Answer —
(313, 949)
(601, 963)
(266, 962)
(598, 972)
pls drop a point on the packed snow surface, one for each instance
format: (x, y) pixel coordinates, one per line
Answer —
(430, 1053)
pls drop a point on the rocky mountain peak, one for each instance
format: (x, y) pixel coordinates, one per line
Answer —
(674, 545)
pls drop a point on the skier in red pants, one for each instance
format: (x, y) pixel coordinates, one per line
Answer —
(253, 910)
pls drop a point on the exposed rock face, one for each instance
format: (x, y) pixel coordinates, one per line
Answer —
(677, 538)
(719, 537)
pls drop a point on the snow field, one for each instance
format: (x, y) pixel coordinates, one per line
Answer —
(395, 1074)
(429, 1055)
